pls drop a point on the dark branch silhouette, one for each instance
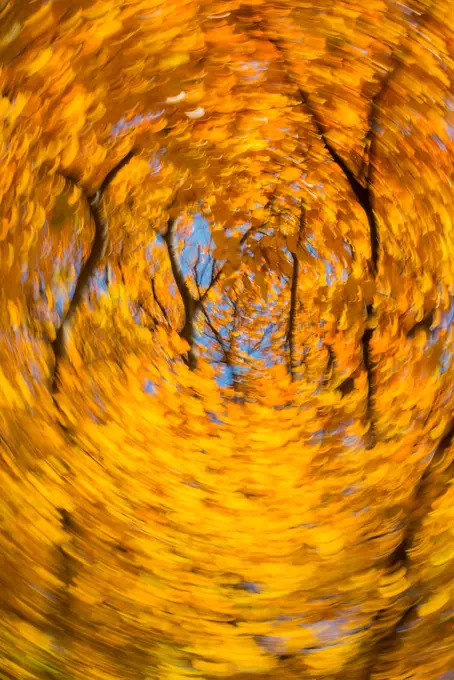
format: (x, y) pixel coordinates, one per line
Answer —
(225, 350)
(215, 276)
(292, 316)
(217, 336)
(294, 299)
(190, 305)
(97, 252)
(364, 195)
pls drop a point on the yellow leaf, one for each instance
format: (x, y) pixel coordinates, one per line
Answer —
(332, 548)
(346, 114)
(108, 28)
(98, 112)
(14, 314)
(75, 195)
(330, 659)
(41, 60)
(70, 152)
(23, 182)
(10, 255)
(97, 10)
(329, 542)
(443, 556)
(11, 35)
(39, 16)
(390, 590)
(434, 603)
(33, 635)
(23, 387)
(212, 668)
(174, 60)
(290, 174)
(133, 362)
(75, 107)
(4, 107)
(438, 431)
(4, 228)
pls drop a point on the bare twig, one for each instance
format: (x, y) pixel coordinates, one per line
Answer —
(215, 276)
(219, 339)
(217, 336)
(191, 305)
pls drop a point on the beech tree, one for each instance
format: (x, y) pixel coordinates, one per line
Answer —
(226, 379)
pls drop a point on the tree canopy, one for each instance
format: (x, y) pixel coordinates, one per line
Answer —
(226, 339)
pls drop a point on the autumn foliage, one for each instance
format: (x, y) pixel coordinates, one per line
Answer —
(226, 339)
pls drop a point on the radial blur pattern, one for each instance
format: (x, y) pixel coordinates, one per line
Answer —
(226, 339)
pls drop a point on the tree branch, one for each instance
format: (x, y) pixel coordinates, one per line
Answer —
(111, 175)
(97, 252)
(190, 305)
(215, 276)
(362, 193)
(216, 335)
(362, 189)
(397, 65)
(292, 317)
(147, 314)
(364, 196)
(294, 298)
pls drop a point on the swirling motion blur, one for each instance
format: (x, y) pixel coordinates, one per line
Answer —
(226, 339)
